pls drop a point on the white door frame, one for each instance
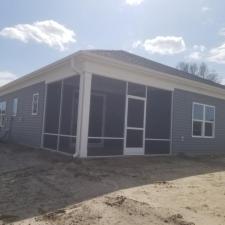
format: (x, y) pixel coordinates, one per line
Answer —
(134, 150)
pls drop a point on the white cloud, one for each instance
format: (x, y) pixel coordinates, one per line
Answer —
(6, 77)
(134, 2)
(198, 52)
(137, 44)
(164, 45)
(223, 81)
(200, 48)
(47, 32)
(195, 55)
(217, 54)
(205, 9)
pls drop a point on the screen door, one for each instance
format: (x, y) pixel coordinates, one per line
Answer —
(135, 125)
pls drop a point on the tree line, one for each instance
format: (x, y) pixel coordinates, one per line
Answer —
(200, 70)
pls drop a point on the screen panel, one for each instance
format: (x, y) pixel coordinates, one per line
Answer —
(97, 115)
(67, 144)
(70, 99)
(134, 138)
(154, 147)
(105, 147)
(158, 115)
(107, 113)
(61, 115)
(136, 90)
(53, 107)
(135, 113)
(50, 141)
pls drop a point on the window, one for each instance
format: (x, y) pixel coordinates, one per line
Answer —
(35, 104)
(14, 109)
(203, 120)
(2, 114)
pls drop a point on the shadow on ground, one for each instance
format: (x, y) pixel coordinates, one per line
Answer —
(36, 182)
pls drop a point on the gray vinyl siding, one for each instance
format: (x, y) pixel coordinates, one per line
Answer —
(182, 125)
(26, 128)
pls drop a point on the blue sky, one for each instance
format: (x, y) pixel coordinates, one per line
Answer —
(36, 33)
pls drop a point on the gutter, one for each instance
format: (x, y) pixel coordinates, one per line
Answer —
(78, 70)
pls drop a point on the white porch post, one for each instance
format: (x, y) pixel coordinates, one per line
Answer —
(83, 114)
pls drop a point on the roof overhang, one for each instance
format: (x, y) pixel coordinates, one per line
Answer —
(82, 61)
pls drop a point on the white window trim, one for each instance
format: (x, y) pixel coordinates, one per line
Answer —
(15, 113)
(134, 150)
(203, 121)
(2, 114)
(35, 114)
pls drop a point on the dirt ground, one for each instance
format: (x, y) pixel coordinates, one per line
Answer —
(39, 187)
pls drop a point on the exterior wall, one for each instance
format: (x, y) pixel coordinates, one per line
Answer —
(182, 140)
(25, 127)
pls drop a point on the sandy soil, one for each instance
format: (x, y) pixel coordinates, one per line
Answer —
(38, 187)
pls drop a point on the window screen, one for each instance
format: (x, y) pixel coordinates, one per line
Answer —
(134, 138)
(157, 147)
(50, 141)
(105, 147)
(53, 107)
(69, 111)
(158, 115)
(62, 114)
(135, 113)
(107, 116)
(107, 107)
(136, 90)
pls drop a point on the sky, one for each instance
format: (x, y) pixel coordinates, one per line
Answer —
(36, 33)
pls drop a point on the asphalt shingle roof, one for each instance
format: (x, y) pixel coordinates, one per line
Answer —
(141, 61)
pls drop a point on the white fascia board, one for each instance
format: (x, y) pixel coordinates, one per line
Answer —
(125, 75)
(71, 67)
(52, 72)
(119, 70)
(59, 73)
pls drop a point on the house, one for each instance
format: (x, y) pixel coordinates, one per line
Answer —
(113, 103)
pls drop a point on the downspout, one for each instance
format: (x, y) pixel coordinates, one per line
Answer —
(79, 71)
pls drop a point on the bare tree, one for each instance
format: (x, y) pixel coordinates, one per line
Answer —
(200, 70)
(193, 69)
